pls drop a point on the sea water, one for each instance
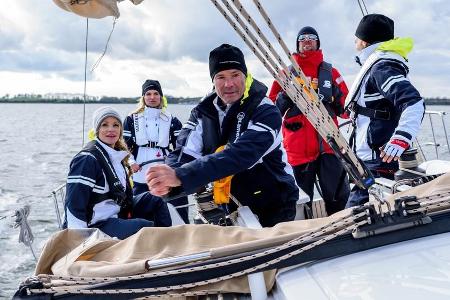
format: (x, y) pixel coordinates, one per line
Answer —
(37, 142)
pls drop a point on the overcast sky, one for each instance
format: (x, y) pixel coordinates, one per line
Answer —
(42, 46)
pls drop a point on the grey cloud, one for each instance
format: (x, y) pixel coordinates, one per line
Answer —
(166, 30)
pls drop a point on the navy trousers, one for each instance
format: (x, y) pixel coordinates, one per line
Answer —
(139, 188)
(378, 168)
(332, 177)
(148, 211)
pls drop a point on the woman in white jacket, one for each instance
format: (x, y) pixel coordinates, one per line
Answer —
(151, 133)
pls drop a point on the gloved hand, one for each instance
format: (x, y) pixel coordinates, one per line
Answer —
(393, 149)
(283, 102)
(292, 126)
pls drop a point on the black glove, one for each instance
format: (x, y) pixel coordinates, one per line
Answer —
(283, 102)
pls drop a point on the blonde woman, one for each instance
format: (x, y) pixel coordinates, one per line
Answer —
(150, 133)
(98, 189)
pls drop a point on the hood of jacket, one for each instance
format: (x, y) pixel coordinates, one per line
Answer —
(401, 46)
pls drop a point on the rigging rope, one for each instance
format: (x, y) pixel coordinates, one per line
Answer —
(97, 63)
(299, 90)
(85, 80)
(362, 7)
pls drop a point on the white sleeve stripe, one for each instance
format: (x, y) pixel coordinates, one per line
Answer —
(257, 128)
(82, 181)
(394, 82)
(189, 126)
(191, 123)
(383, 86)
(81, 177)
(372, 95)
(99, 190)
(373, 98)
(264, 126)
(191, 153)
(389, 79)
(87, 153)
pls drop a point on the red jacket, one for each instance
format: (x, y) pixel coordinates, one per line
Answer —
(305, 145)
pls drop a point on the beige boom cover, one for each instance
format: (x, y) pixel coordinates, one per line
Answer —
(76, 253)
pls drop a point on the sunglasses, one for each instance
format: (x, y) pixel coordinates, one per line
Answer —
(307, 37)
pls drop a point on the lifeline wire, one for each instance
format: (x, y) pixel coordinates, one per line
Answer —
(85, 80)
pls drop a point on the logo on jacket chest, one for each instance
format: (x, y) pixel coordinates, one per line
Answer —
(240, 116)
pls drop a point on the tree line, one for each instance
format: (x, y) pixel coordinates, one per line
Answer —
(68, 98)
(37, 98)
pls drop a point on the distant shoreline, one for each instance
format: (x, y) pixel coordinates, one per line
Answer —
(89, 100)
(134, 100)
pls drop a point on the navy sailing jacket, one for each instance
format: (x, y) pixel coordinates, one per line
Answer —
(383, 86)
(88, 195)
(254, 151)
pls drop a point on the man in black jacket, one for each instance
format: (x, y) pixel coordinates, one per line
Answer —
(239, 116)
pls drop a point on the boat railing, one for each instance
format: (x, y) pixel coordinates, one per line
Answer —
(59, 195)
(432, 116)
(437, 125)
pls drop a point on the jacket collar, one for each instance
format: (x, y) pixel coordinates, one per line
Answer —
(309, 58)
(114, 155)
(366, 52)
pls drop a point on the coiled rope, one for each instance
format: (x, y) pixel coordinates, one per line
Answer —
(25, 235)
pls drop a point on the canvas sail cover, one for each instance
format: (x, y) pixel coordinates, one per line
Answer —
(72, 253)
(96, 9)
(69, 253)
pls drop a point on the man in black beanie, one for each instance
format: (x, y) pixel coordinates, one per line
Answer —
(375, 28)
(385, 106)
(238, 118)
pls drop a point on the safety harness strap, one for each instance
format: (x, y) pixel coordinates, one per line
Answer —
(372, 113)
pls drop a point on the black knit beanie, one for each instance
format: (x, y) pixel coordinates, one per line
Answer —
(151, 85)
(375, 28)
(308, 30)
(226, 57)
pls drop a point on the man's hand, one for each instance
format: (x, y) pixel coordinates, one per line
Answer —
(160, 179)
(393, 150)
(135, 167)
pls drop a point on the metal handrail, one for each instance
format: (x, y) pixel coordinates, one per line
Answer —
(58, 197)
(435, 143)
